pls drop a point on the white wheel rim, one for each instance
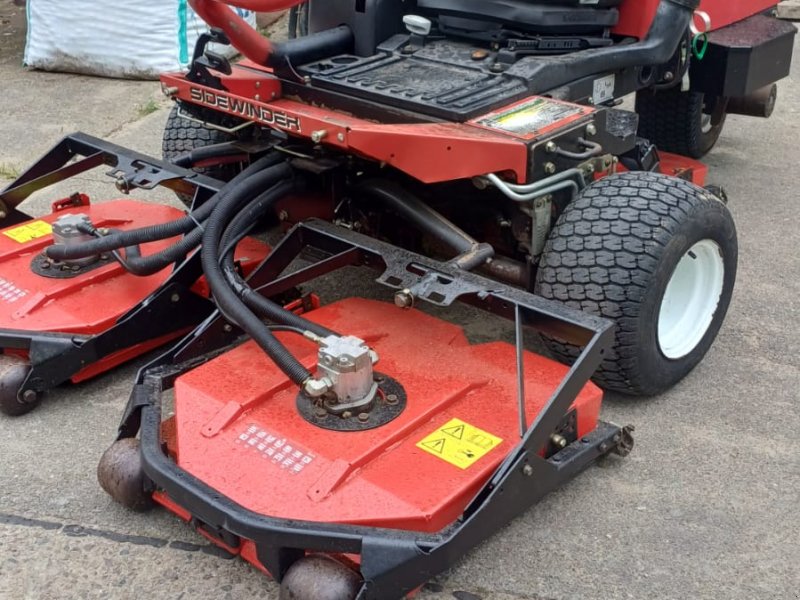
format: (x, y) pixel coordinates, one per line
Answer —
(691, 299)
(706, 123)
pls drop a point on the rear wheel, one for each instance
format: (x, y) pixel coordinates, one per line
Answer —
(658, 256)
(183, 135)
(686, 123)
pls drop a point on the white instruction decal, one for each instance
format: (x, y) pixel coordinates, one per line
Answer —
(604, 89)
(277, 449)
(9, 292)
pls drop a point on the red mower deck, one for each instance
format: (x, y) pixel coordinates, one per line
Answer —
(237, 429)
(89, 303)
(83, 304)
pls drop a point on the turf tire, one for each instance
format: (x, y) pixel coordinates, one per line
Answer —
(182, 135)
(612, 253)
(676, 121)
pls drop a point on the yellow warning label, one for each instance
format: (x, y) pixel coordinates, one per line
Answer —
(459, 443)
(29, 232)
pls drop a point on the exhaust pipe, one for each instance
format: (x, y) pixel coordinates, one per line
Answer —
(760, 103)
(666, 32)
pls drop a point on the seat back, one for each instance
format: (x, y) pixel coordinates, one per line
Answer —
(531, 16)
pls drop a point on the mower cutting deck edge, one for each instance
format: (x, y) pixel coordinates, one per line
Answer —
(72, 319)
(467, 152)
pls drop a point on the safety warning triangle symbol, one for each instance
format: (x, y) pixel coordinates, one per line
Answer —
(457, 431)
(435, 445)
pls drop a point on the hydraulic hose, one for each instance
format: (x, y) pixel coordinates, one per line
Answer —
(226, 298)
(145, 266)
(237, 229)
(202, 154)
(135, 237)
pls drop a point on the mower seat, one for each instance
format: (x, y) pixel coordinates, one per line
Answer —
(536, 17)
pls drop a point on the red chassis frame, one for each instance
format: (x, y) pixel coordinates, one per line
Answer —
(429, 152)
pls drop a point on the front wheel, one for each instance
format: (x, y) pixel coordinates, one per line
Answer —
(658, 256)
(14, 372)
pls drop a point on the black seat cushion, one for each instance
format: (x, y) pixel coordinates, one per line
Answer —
(541, 16)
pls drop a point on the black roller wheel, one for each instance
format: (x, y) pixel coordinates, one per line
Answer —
(686, 123)
(183, 135)
(320, 577)
(658, 256)
(13, 373)
(121, 475)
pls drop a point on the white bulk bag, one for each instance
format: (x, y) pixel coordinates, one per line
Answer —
(134, 39)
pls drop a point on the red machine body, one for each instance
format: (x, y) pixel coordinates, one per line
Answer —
(90, 303)
(236, 427)
(635, 16)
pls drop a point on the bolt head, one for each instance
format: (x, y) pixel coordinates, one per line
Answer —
(318, 136)
(363, 417)
(549, 168)
(527, 470)
(404, 299)
(591, 129)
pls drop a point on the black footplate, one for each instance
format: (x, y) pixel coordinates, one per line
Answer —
(456, 86)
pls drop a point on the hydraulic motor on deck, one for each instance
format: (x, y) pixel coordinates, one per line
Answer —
(345, 379)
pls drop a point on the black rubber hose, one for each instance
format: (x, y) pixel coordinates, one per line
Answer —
(150, 265)
(189, 159)
(144, 266)
(142, 235)
(226, 299)
(310, 48)
(236, 230)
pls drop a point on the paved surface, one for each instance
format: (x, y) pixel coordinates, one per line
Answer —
(706, 506)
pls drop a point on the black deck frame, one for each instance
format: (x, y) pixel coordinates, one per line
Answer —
(393, 562)
(174, 307)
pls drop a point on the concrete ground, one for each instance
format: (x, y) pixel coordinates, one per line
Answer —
(705, 507)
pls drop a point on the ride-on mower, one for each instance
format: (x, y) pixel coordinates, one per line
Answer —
(466, 151)
(73, 306)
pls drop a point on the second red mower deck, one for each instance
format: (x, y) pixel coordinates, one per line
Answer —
(236, 426)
